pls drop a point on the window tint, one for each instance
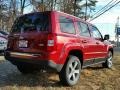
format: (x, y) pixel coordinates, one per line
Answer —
(95, 32)
(32, 22)
(66, 25)
(83, 28)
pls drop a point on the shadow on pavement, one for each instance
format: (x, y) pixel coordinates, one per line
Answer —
(10, 76)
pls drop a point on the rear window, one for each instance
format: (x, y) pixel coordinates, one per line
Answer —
(32, 22)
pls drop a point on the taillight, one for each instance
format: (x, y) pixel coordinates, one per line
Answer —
(51, 42)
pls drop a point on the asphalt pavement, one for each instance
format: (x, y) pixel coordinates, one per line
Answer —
(117, 49)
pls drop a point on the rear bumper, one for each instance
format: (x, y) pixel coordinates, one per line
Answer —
(45, 64)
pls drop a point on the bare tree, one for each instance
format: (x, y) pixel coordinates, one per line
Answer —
(3, 16)
(22, 6)
(14, 8)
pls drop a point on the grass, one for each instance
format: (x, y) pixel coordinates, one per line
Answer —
(2, 59)
(92, 78)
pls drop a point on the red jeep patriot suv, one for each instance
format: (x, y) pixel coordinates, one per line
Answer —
(58, 41)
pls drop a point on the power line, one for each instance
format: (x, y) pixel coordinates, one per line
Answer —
(104, 7)
(111, 3)
(27, 5)
(105, 11)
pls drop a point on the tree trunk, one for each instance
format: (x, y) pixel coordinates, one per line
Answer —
(22, 6)
(75, 7)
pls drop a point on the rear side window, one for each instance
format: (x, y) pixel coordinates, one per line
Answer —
(66, 25)
(83, 28)
(31, 22)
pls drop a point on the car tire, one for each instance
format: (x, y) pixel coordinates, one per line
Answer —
(70, 73)
(108, 63)
(25, 69)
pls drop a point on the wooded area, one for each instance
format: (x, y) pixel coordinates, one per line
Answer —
(10, 9)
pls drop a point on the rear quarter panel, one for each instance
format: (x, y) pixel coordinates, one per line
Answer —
(65, 42)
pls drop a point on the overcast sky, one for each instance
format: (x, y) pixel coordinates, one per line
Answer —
(106, 22)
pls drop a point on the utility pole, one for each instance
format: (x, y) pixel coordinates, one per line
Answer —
(116, 31)
(75, 7)
(86, 10)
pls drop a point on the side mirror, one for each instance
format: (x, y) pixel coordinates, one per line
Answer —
(107, 37)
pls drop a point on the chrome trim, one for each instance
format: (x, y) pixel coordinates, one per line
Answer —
(16, 34)
(96, 52)
(95, 58)
(24, 54)
(93, 64)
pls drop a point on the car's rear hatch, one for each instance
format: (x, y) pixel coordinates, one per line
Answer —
(30, 33)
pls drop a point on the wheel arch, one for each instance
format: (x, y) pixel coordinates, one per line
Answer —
(111, 49)
(77, 53)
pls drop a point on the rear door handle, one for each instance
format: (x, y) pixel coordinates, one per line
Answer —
(84, 41)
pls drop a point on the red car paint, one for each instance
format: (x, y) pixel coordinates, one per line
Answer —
(55, 45)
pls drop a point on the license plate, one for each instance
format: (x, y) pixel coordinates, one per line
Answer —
(23, 44)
